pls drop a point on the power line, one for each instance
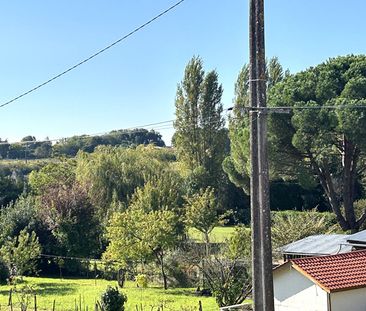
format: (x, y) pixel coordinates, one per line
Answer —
(156, 126)
(284, 109)
(94, 55)
(134, 129)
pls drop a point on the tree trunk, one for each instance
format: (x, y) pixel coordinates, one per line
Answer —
(160, 258)
(349, 159)
(207, 243)
(327, 185)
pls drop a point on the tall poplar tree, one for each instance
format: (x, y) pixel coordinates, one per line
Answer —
(200, 134)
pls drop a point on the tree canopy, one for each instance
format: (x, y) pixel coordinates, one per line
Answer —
(200, 135)
(324, 136)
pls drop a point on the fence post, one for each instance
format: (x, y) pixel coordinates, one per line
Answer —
(200, 305)
(35, 302)
(10, 300)
(54, 304)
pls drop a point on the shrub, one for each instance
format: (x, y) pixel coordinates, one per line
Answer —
(113, 300)
(291, 226)
(141, 280)
(228, 280)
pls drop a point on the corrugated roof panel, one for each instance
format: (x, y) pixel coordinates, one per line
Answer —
(359, 237)
(325, 244)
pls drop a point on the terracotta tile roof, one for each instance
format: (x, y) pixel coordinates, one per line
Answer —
(336, 272)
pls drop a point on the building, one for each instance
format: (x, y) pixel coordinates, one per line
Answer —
(317, 245)
(325, 283)
(357, 240)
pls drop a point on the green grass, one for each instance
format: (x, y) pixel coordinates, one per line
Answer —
(68, 292)
(218, 234)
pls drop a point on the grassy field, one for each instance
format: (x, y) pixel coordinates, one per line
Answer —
(218, 234)
(70, 292)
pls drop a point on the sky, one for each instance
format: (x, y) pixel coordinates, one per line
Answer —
(134, 83)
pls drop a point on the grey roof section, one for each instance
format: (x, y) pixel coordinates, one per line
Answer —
(358, 238)
(325, 244)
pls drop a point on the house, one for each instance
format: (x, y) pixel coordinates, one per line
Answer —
(317, 245)
(325, 283)
(357, 240)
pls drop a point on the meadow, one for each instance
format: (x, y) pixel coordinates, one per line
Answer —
(218, 234)
(69, 294)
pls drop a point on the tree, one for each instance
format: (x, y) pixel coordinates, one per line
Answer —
(51, 175)
(125, 138)
(72, 219)
(318, 141)
(17, 216)
(199, 125)
(237, 165)
(115, 172)
(229, 280)
(10, 187)
(150, 226)
(202, 212)
(20, 253)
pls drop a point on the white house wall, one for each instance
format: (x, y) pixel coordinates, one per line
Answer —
(352, 300)
(294, 292)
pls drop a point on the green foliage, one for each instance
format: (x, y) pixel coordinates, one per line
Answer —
(51, 175)
(125, 138)
(360, 208)
(66, 291)
(11, 186)
(291, 226)
(113, 300)
(114, 173)
(229, 280)
(150, 225)
(4, 272)
(30, 148)
(327, 144)
(202, 211)
(20, 253)
(135, 234)
(17, 216)
(238, 245)
(141, 280)
(200, 137)
(237, 165)
(72, 219)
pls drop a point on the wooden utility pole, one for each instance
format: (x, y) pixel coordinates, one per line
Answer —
(260, 209)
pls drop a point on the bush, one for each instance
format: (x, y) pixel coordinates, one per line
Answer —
(113, 300)
(291, 226)
(141, 280)
(228, 280)
(4, 272)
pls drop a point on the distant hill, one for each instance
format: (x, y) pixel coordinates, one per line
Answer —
(30, 148)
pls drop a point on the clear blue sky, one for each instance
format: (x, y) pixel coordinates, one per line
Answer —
(135, 82)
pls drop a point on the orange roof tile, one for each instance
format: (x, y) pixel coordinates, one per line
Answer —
(335, 272)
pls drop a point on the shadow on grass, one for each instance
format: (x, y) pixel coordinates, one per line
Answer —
(54, 289)
(182, 292)
(45, 289)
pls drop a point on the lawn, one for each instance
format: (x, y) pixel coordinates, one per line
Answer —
(70, 292)
(218, 234)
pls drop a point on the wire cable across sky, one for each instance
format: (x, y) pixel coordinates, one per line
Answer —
(94, 55)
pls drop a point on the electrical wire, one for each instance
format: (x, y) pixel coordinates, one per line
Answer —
(94, 55)
(134, 129)
(155, 126)
(289, 108)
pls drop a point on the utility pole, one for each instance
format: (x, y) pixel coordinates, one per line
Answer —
(260, 209)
